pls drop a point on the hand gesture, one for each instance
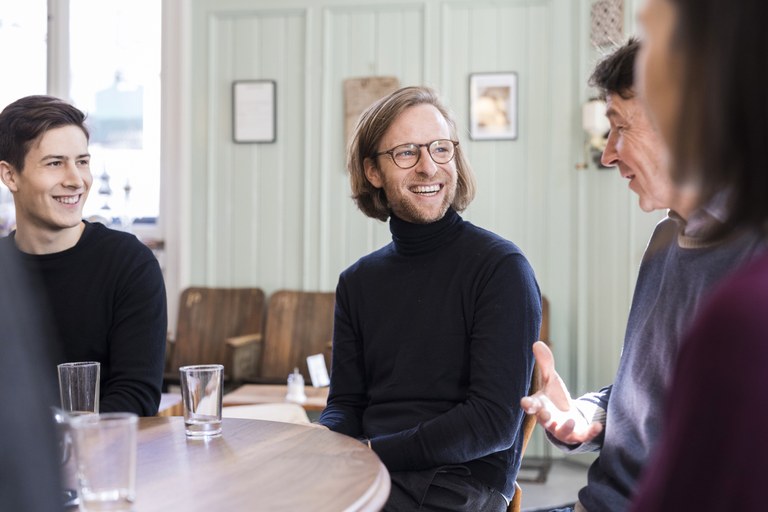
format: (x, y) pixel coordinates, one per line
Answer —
(553, 406)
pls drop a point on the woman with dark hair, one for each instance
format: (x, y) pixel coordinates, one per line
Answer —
(703, 70)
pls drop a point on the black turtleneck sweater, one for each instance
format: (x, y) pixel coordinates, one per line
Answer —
(106, 296)
(432, 349)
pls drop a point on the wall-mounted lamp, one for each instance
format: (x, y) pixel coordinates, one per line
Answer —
(596, 126)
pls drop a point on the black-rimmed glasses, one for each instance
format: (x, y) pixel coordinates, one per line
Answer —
(405, 156)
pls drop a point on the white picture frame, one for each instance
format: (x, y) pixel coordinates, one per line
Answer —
(493, 106)
(254, 111)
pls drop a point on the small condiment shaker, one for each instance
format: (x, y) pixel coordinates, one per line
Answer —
(296, 388)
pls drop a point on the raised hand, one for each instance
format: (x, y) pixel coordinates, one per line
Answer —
(552, 404)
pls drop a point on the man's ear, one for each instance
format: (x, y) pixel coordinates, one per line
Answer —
(8, 175)
(373, 173)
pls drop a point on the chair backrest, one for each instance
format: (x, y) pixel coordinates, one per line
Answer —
(544, 330)
(529, 421)
(299, 324)
(208, 316)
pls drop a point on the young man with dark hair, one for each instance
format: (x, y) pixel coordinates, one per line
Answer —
(104, 288)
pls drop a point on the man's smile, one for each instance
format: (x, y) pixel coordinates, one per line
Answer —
(426, 190)
(68, 199)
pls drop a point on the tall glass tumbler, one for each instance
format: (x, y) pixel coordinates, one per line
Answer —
(79, 387)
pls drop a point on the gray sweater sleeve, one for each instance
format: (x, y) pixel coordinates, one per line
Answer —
(593, 407)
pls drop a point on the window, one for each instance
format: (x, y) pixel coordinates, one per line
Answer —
(114, 57)
(115, 78)
(23, 33)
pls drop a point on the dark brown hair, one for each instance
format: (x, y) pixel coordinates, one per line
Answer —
(370, 129)
(26, 119)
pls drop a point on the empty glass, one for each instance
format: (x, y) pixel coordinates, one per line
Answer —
(105, 453)
(79, 387)
(202, 389)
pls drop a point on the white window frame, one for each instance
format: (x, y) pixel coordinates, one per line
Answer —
(172, 225)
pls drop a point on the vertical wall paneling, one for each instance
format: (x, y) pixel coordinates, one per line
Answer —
(379, 39)
(174, 221)
(325, 158)
(315, 215)
(252, 197)
(220, 174)
(280, 215)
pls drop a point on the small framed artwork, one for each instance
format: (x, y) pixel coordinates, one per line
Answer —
(493, 106)
(254, 111)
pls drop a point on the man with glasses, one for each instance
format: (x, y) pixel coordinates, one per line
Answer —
(432, 332)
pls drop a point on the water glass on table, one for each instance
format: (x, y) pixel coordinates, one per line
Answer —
(202, 389)
(79, 387)
(105, 451)
(79, 394)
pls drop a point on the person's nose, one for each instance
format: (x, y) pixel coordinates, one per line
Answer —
(75, 177)
(426, 165)
(610, 156)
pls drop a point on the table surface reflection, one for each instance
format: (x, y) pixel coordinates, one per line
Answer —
(255, 465)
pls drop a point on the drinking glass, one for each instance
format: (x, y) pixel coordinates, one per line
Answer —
(201, 392)
(79, 387)
(105, 454)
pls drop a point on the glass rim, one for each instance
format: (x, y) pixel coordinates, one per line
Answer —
(201, 367)
(76, 364)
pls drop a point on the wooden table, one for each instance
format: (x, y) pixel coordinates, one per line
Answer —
(255, 466)
(250, 394)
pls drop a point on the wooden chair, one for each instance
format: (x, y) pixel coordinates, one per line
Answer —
(529, 422)
(529, 425)
(218, 325)
(298, 324)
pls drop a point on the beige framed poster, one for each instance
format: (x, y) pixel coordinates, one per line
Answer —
(493, 106)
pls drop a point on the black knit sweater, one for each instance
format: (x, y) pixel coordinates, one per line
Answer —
(432, 349)
(106, 296)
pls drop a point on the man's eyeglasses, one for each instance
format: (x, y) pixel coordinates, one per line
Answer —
(405, 156)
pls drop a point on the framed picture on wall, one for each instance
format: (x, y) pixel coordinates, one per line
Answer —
(493, 106)
(254, 111)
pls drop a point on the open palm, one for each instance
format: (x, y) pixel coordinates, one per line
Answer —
(552, 404)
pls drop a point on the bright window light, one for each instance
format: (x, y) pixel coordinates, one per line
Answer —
(23, 31)
(115, 78)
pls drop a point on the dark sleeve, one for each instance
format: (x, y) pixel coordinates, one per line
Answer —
(30, 478)
(137, 341)
(715, 415)
(347, 397)
(506, 323)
